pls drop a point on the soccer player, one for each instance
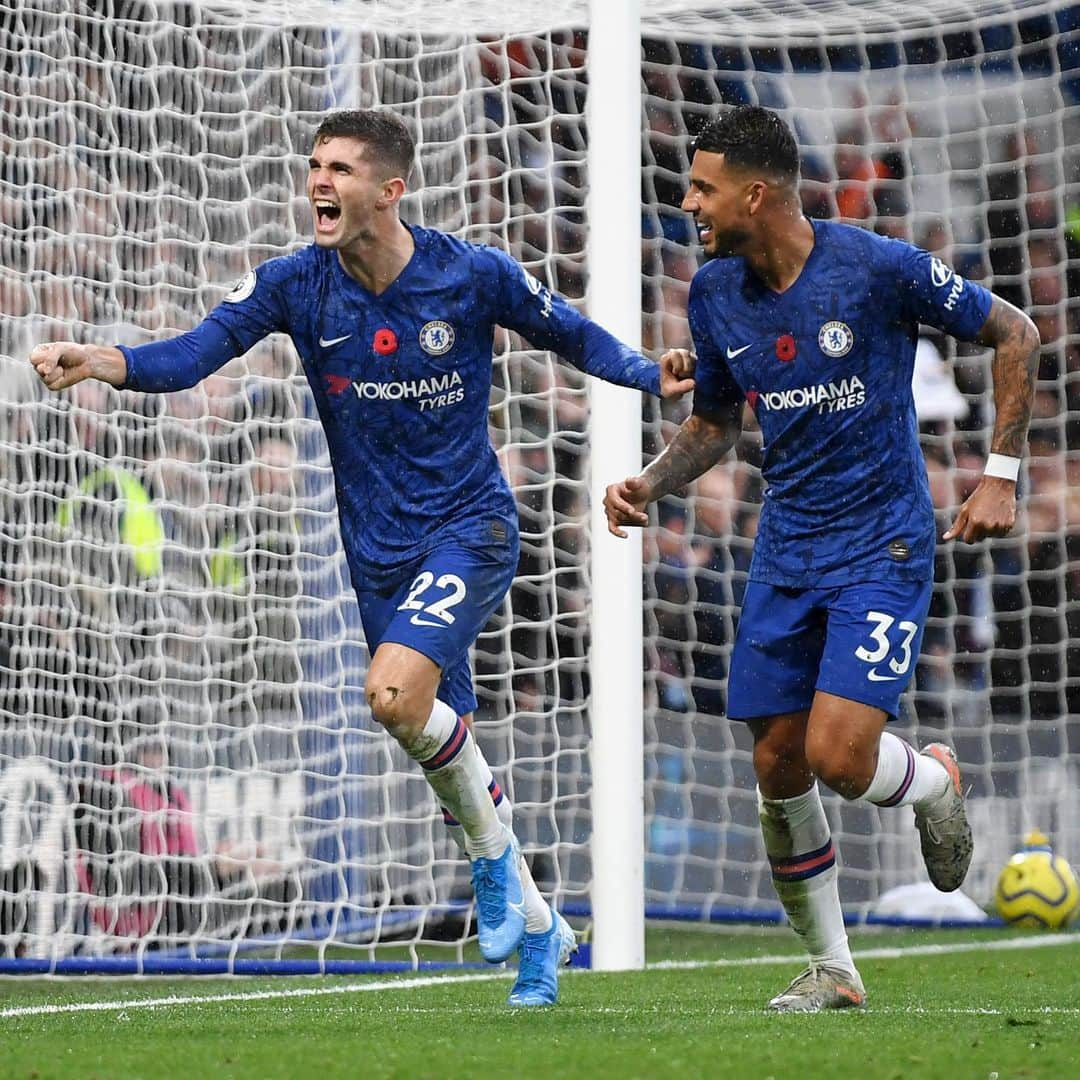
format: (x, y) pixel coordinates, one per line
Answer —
(394, 325)
(814, 326)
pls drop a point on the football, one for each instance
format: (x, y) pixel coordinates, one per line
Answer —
(1037, 888)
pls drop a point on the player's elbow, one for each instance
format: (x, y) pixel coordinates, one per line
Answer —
(1009, 328)
(1031, 341)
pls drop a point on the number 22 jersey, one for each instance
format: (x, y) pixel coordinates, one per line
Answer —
(402, 382)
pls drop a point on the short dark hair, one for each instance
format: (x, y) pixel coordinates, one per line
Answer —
(383, 133)
(754, 138)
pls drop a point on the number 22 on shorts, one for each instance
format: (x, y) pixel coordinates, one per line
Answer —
(438, 609)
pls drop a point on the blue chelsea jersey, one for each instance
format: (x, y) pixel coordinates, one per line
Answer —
(402, 383)
(826, 367)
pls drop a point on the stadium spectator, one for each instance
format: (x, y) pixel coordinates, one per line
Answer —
(855, 176)
(1005, 183)
(664, 308)
(891, 131)
(841, 579)
(1046, 287)
(936, 397)
(257, 558)
(138, 853)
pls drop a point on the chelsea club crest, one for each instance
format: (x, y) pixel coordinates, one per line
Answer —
(835, 338)
(436, 337)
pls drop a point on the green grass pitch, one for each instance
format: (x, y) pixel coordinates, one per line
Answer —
(953, 1005)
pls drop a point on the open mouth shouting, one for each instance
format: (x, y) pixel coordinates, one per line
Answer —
(327, 215)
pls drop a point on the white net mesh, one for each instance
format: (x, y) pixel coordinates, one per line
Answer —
(183, 660)
(186, 761)
(963, 140)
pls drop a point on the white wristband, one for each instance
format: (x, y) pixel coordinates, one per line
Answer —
(1008, 468)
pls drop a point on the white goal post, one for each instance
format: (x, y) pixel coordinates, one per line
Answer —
(189, 780)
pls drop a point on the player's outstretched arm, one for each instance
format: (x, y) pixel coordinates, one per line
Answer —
(158, 367)
(990, 510)
(520, 302)
(61, 364)
(700, 443)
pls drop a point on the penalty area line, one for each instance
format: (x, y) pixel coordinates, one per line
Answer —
(422, 982)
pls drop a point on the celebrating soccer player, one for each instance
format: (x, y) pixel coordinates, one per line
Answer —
(394, 326)
(814, 326)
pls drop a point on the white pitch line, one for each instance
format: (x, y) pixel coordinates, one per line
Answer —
(256, 995)
(894, 953)
(421, 982)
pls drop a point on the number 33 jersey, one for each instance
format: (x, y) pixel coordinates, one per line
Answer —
(826, 367)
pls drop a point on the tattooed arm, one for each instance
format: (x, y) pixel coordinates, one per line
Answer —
(698, 445)
(1016, 358)
(991, 508)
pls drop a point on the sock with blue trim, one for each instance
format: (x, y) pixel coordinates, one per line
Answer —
(459, 777)
(904, 777)
(803, 861)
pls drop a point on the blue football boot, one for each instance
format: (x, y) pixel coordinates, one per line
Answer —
(500, 903)
(539, 958)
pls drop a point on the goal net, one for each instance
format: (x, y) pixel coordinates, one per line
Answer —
(188, 771)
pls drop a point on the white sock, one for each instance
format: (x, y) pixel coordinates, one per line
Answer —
(904, 777)
(459, 777)
(503, 807)
(803, 861)
(537, 912)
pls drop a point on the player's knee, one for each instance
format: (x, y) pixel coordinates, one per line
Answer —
(393, 708)
(839, 768)
(778, 764)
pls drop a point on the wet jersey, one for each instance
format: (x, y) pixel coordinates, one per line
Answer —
(401, 381)
(826, 367)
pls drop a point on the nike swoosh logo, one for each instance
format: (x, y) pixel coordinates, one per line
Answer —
(873, 676)
(333, 341)
(732, 353)
(417, 621)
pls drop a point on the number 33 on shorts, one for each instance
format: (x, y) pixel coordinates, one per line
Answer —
(890, 653)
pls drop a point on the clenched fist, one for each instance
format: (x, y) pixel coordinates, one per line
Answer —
(61, 364)
(676, 373)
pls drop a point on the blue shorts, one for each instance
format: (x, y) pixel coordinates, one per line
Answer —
(856, 641)
(438, 606)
